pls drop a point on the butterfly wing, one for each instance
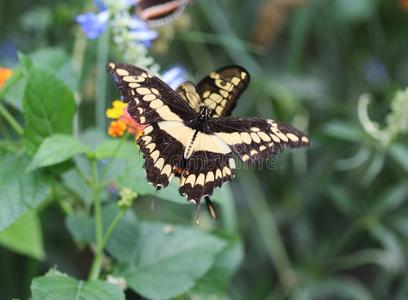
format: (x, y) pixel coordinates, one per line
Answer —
(159, 13)
(155, 104)
(220, 89)
(162, 154)
(188, 91)
(254, 139)
(210, 165)
(149, 99)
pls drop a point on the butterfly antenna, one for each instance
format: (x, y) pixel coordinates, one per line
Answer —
(153, 204)
(211, 208)
(197, 212)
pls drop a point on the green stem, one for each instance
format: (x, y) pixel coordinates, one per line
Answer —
(97, 263)
(269, 232)
(101, 76)
(112, 226)
(109, 163)
(10, 119)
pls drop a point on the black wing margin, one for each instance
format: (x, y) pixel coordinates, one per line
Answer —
(149, 99)
(221, 89)
(253, 139)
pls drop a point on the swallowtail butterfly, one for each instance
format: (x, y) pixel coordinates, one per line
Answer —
(190, 129)
(160, 12)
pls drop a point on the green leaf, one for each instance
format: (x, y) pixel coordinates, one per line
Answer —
(116, 148)
(59, 286)
(20, 190)
(215, 281)
(168, 260)
(399, 153)
(353, 11)
(53, 60)
(49, 108)
(24, 236)
(81, 227)
(134, 177)
(123, 238)
(335, 288)
(56, 149)
(343, 131)
(76, 179)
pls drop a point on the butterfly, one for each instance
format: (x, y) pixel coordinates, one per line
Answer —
(189, 131)
(160, 12)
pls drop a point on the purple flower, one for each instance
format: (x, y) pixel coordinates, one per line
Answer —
(174, 76)
(141, 33)
(93, 24)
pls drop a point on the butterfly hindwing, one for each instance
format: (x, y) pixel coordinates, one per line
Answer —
(220, 89)
(149, 99)
(184, 137)
(204, 171)
(254, 139)
(188, 91)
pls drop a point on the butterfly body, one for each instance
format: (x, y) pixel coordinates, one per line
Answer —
(190, 133)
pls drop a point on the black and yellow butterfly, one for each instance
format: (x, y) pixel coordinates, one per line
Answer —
(191, 129)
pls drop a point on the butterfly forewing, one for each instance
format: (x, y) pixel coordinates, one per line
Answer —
(221, 89)
(178, 139)
(149, 99)
(254, 139)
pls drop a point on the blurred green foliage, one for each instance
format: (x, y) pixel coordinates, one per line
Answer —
(329, 222)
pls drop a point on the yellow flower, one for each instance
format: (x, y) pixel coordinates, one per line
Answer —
(4, 75)
(117, 110)
(123, 121)
(117, 128)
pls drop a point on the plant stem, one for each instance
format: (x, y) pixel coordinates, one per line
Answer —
(97, 263)
(10, 119)
(269, 231)
(103, 50)
(109, 163)
(112, 226)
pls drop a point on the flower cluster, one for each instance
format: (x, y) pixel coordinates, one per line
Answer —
(396, 120)
(4, 75)
(130, 34)
(122, 121)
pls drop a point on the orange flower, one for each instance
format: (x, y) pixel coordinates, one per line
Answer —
(117, 128)
(404, 4)
(134, 128)
(123, 121)
(4, 75)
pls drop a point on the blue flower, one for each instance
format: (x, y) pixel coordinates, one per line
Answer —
(93, 24)
(100, 4)
(141, 33)
(174, 76)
